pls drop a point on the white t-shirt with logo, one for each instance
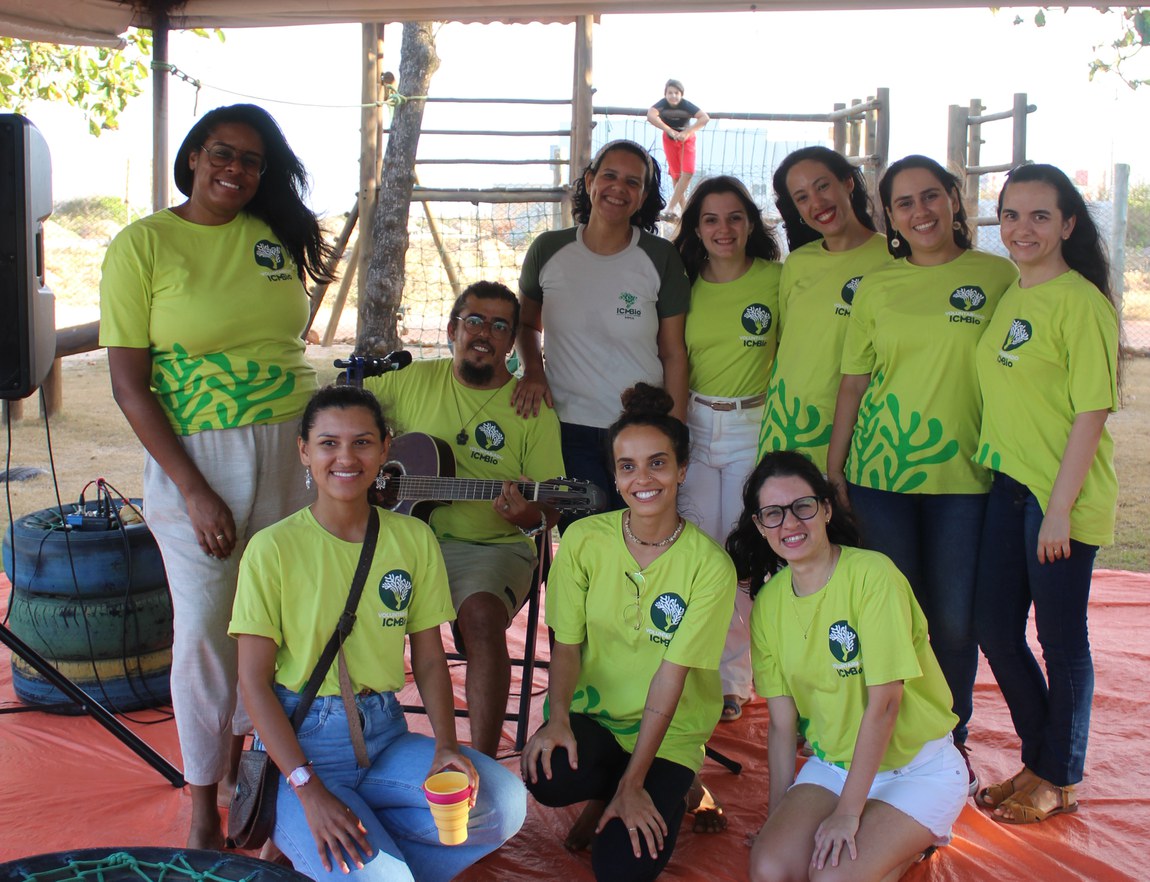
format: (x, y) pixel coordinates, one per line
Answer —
(601, 317)
(293, 585)
(731, 332)
(915, 329)
(500, 444)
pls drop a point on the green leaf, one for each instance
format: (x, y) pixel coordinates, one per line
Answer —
(1040, 18)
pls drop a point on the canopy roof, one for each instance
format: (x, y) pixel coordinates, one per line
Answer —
(100, 22)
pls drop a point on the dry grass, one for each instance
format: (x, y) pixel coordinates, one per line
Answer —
(91, 439)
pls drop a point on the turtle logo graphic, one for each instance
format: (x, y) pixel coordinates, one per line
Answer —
(1020, 331)
(269, 254)
(667, 611)
(395, 590)
(489, 436)
(757, 319)
(968, 298)
(844, 641)
(848, 292)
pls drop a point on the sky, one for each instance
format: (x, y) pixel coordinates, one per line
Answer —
(309, 79)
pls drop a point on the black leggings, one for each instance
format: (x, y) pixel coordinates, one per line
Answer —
(601, 764)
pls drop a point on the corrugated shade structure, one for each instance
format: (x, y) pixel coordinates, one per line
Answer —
(100, 22)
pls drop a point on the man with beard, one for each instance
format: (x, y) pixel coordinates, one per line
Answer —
(465, 400)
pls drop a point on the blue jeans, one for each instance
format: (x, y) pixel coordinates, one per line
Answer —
(1051, 713)
(933, 538)
(388, 797)
(586, 458)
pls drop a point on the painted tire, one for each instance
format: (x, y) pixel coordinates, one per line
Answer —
(102, 559)
(123, 685)
(110, 865)
(100, 628)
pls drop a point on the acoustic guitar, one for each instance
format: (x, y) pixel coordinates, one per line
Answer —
(420, 476)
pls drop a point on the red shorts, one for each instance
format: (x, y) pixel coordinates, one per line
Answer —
(680, 156)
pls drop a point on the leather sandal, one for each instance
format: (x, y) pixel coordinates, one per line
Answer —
(996, 794)
(1024, 811)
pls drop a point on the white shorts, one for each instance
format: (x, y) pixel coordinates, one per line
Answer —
(931, 788)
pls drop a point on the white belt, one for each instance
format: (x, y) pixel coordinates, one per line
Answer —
(730, 403)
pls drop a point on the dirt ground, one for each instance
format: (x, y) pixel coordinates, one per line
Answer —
(91, 439)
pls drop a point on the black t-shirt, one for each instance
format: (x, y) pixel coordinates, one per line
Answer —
(677, 117)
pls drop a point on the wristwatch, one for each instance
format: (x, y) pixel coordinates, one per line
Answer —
(300, 776)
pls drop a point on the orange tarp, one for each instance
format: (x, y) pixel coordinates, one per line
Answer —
(66, 783)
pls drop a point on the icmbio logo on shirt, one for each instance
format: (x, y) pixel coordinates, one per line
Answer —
(395, 594)
(967, 300)
(845, 647)
(1020, 331)
(628, 310)
(757, 319)
(489, 436)
(848, 296)
(667, 611)
(269, 254)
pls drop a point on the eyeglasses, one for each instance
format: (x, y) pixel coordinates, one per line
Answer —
(804, 508)
(222, 155)
(473, 324)
(633, 612)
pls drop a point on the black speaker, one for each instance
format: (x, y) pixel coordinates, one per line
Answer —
(27, 306)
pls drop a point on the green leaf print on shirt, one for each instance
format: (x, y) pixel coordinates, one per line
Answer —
(785, 427)
(178, 383)
(890, 454)
(591, 696)
(247, 392)
(990, 459)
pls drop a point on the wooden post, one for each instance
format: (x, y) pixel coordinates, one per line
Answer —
(581, 94)
(160, 79)
(881, 148)
(341, 295)
(854, 129)
(1118, 232)
(53, 398)
(444, 257)
(956, 137)
(839, 128)
(1018, 155)
(371, 121)
(971, 184)
(556, 181)
(11, 411)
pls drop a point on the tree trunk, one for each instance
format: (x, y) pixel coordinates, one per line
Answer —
(382, 289)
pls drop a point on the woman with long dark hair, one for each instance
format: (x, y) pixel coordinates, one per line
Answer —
(840, 649)
(825, 207)
(613, 298)
(1048, 371)
(201, 309)
(731, 258)
(908, 408)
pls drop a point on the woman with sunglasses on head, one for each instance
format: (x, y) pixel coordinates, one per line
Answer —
(343, 807)
(840, 649)
(831, 236)
(1048, 371)
(731, 258)
(202, 307)
(639, 601)
(908, 409)
(613, 299)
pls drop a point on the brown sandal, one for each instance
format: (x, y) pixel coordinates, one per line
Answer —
(996, 794)
(1022, 806)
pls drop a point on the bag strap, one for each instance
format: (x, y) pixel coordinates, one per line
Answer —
(346, 621)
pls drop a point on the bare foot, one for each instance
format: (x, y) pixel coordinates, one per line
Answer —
(583, 830)
(210, 837)
(205, 831)
(701, 804)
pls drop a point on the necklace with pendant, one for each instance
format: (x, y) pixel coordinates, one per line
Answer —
(463, 437)
(660, 543)
(818, 606)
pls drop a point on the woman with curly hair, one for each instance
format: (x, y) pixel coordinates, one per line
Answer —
(613, 298)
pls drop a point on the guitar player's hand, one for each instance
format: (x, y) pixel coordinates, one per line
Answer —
(515, 509)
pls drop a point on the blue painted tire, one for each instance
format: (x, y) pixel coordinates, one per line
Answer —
(98, 628)
(101, 559)
(123, 684)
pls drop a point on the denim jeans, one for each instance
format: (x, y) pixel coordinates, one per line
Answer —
(1051, 713)
(586, 458)
(388, 797)
(933, 538)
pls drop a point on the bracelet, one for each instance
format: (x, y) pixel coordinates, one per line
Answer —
(535, 531)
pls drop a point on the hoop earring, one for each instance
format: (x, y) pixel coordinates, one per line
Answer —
(895, 242)
(956, 226)
(380, 479)
(307, 477)
(802, 221)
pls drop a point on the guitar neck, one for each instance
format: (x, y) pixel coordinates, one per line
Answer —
(432, 487)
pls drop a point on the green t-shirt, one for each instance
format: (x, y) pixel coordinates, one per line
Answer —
(864, 628)
(1050, 353)
(682, 602)
(501, 445)
(294, 581)
(815, 295)
(221, 309)
(731, 331)
(915, 329)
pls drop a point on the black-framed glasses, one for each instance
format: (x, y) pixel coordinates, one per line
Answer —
(221, 155)
(804, 508)
(633, 612)
(473, 324)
